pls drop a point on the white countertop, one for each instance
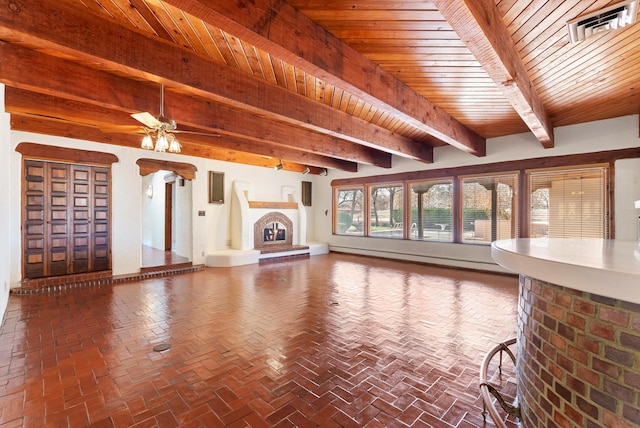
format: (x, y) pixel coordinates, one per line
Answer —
(607, 267)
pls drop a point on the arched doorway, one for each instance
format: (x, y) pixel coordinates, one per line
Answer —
(166, 212)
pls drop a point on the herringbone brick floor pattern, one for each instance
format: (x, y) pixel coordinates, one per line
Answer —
(331, 341)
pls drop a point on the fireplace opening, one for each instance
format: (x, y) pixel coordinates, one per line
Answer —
(273, 230)
(274, 233)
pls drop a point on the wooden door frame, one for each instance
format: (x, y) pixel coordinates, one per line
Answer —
(168, 215)
(55, 154)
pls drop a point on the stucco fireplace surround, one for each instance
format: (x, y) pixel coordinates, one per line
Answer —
(265, 230)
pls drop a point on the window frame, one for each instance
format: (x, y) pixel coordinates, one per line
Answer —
(368, 196)
(335, 210)
(608, 168)
(433, 181)
(573, 161)
(516, 215)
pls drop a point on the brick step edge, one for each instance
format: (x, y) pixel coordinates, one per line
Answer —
(100, 282)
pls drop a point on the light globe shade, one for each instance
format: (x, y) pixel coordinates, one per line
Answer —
(147, 142)
(174, 145)
(162, 144)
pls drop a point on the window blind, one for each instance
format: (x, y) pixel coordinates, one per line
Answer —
(570, 203)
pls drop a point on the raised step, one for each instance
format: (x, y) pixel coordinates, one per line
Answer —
(230, 257)
(99, 279)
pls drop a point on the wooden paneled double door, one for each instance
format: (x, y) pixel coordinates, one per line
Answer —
(66, 218)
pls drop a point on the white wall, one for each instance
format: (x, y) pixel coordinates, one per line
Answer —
(147, 210)
(182, 204)
(7, 244)
(612, 134)
(627, 190)
(153, 210)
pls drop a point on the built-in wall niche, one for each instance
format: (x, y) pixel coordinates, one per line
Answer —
(216, 187)
(306, 193)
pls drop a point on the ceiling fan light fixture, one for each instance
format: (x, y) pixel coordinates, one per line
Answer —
(161, 143)
(147, 142)
(174, 144)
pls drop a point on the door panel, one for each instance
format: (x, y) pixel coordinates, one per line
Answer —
(34, 219)
(100, 239)
(168, 216)
(81, 218)
(57, 178)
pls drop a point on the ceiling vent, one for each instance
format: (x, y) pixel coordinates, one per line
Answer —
(604, 20)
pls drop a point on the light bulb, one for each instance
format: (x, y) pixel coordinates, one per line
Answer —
(147, 142)
(162, 144)
(174, 144)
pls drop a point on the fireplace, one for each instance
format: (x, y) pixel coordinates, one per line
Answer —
(265, 230)
(273, 229)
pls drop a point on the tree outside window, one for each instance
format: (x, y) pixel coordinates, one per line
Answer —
(488, 208)
(350, 211)
(432, 210)
(386, 206)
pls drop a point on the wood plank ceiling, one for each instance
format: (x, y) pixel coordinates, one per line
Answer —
(313, 83)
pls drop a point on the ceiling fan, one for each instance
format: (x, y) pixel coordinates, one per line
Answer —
(160, 131)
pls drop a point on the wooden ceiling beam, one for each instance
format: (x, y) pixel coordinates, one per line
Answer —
(192, 144)
(49, 126)
(479, 25)
(283, 31)
(204, 115)
(257, 134)
(63, 27)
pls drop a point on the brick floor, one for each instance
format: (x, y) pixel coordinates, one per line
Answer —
(333, 340)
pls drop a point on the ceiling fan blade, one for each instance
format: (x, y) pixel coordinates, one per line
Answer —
(147, 119)
(207, 134)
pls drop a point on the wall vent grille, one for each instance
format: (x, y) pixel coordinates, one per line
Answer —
(604, 20)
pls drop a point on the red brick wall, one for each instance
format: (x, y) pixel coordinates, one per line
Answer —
(578, 358)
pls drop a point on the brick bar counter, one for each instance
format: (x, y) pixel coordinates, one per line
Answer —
(578, 341)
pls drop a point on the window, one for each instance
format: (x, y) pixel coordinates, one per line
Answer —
(386, 211)
(349, 219)
(477, 204)
(568, 203)
(432, 210)
(489, 208)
